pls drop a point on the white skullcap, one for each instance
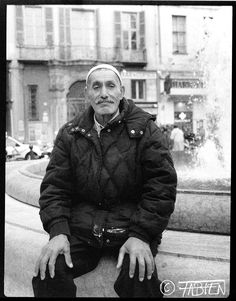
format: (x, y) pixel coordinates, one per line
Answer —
(104, 66)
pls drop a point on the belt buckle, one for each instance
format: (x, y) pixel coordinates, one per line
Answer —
(115, 230)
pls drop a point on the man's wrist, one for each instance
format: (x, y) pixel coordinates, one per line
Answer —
(62, 235)
(60, 228)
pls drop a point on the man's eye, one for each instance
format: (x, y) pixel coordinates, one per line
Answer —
(111, 86)
(95, 87)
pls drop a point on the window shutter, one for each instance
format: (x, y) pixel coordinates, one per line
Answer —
(68, 37)
(61, 26)
(67, 26)
(141, 30)
(19, 26)
(64, 33)
(49, 26)
(117, 29)
(61, 33)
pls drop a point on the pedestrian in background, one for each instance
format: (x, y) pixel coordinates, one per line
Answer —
(166, 136)
(177, 136)
(201, 134)
(110, 185)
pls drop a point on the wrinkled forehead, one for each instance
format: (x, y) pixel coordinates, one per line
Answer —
(102, 74)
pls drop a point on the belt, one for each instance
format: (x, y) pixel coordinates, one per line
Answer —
(98, 231)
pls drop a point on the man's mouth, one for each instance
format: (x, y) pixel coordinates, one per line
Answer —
(104, 102)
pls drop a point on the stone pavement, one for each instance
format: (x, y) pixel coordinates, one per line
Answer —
(182, 257)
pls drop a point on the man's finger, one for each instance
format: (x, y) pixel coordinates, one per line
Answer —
(120, 258)
(37, 265)
(153, 261)
(149, 266)
(43, 265)
(141, 263)
(68, 259)
(132, 264)
(51, 265)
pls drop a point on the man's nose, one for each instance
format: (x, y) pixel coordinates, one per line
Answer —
(104, 92)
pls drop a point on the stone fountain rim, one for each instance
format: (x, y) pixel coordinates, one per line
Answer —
(27, 171)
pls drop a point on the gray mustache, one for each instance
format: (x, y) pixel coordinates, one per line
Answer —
(105, 101)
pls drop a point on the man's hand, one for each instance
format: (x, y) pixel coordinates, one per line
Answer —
(140, 250)
(57, 245)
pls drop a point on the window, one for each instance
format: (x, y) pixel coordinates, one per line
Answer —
(179, 34)
(34, 26)
(83, 28)
(129, 32)
(76, 100)
(33, 103)
(138, 89)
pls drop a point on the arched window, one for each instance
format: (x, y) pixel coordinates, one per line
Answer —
(76, 100)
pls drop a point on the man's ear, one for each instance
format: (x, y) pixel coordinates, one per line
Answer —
(122, 91)
(86, 92)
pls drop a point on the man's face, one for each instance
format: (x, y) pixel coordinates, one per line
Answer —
(104, 91)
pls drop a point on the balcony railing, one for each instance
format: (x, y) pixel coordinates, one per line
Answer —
(74, 53)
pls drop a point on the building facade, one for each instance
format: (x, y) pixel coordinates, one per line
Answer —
(183, 33)
(50, 49)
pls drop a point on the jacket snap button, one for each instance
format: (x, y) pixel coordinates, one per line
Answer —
(108, 241)
(99, 204)
(132, 131)
(141, 132)
(109, 130)
(83, 130)
(89, 135)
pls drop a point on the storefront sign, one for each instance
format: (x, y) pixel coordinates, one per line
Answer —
(182, 115)
(138, 75)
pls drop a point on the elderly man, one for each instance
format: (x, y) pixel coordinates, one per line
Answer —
(110, 186)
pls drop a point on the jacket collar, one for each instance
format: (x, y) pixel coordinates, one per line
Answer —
(134, 117)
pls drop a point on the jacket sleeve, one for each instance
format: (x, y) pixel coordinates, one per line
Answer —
(56, 188)
(159, 188)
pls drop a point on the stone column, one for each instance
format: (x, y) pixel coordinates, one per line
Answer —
(19, 117)
(58, 108)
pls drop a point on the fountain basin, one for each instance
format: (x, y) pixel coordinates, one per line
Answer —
(203, 211)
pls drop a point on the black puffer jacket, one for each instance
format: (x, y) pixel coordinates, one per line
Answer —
(119, 185)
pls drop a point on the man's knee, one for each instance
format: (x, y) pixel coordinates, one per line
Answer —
(133, 287)
(61, 269)
(60, 285)
(126, 265)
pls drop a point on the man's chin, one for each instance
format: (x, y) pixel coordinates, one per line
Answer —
(105, 112)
